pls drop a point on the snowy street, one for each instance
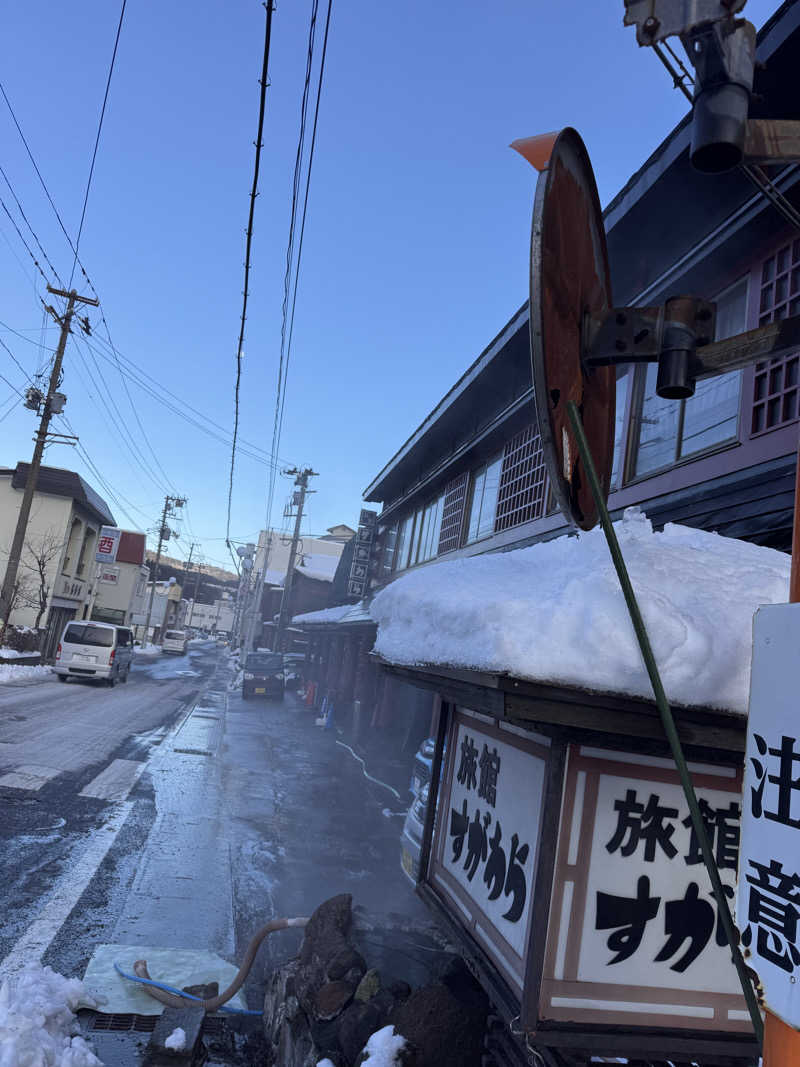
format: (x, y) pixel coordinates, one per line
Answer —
(168, 812)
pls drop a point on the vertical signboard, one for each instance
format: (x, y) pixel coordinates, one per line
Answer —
(362, 552)
(107, 544)
(634, 937)
(768, 900)
(485, 849)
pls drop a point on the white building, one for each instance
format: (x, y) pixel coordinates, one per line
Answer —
(317, 557)
(217, 616)
(57, 563)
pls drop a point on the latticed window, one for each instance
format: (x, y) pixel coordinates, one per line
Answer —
(523, 480)
(455, 496)
(775, 387)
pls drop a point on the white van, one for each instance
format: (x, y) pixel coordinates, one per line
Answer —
(94, 650)
(175, 641)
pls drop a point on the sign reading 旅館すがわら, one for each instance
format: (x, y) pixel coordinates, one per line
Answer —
(486, 848)
(635, 933)
(768, 899)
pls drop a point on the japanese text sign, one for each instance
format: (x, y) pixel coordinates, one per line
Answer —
(487, 835)
(768, 899)
(634, 935)
(359, 570)
(107, 544)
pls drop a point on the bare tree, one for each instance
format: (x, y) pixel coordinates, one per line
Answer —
(20, 594)
(40, 556)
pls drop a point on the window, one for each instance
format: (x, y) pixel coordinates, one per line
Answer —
(775, 387)
(87, 634)
(389, 536)
(415, 538)
(72, 546)
(86, 549)
(430, 528)
(403, 543)
(670, 430)
(523, 480)
(623, 380)
(483, 506)
(455, 496)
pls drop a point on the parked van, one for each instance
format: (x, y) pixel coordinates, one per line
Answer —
(94, 650)
(175, 641)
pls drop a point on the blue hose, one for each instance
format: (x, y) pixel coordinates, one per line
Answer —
(179, 992)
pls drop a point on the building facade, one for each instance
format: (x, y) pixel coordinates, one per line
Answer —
(57, 565)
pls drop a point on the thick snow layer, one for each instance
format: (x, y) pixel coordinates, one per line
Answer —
(383, 1047)
(12, 653)
(555, 612)
(15, 674)
(317, 565)
(37, 1021)
(324, 614)
(176, 1040)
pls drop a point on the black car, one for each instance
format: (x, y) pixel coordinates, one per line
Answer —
(263, 675)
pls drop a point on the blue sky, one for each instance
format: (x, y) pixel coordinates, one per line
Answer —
(416, 242)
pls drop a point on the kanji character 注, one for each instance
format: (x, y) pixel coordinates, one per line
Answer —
(490, 768)
(787, 785)
(468, 768)
(476, 843)
(494, 874)
(627, 917)
(690, 918)
(515, 879)
(722, 827)
(774, 908)
(643, 823)
(459, 822)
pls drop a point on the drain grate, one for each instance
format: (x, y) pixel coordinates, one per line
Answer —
(193, 751)
(146, 1024)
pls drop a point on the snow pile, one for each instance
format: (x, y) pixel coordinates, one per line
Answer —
(319, 566)
(14, 674)
(12, 653)
(176, 1040)
(37, 1021)
(325, 614)
(383, 1047)
(147, 651)
(555, 612)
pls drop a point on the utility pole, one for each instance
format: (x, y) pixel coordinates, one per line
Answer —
(301, 480)
(170, 502)
(198, 572)
(52, 404)
(187, 569)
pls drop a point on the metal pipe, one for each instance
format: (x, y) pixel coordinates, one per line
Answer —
(667, 720)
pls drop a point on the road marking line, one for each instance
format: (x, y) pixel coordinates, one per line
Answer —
(116, 781)
(66, 893)
(30, 776)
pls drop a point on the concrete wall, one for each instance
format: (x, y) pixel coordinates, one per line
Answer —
(127, 595)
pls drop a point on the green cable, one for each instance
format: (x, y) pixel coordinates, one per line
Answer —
(667, 720)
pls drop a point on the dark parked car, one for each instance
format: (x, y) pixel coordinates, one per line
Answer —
(263, 675)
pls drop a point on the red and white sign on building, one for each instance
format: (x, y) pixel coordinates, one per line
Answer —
(768, 900)
(107, 544)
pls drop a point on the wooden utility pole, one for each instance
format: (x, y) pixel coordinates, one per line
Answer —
(163, 534)
(197, 574)
(301, 480)
(15, 555)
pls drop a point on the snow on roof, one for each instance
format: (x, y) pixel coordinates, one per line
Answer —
(319, 566)
(274, 577)
(324, 614)
(554, 612)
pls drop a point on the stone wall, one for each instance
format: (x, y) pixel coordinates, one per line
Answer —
(328, 1001)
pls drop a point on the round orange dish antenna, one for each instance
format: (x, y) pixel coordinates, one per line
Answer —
(536, 150)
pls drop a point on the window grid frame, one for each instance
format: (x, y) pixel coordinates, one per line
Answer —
(776, 382)
(522, 493)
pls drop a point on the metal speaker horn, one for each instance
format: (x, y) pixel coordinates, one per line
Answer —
(724, 59)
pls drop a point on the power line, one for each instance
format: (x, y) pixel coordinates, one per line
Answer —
(97, 142)
(14, 358)
(303, 219)
(253, 195)
(36, 262)
(12, 386)
(31, 229)
(287, 278)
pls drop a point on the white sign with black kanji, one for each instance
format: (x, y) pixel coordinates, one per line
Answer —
(492, 818)
(768, 900)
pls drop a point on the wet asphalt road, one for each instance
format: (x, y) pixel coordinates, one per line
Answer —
(182, 816)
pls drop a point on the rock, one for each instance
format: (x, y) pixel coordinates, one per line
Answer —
(357, 1023)
(332, 998)
(400, 990)
(345, 963)
(327, 929)
(368, 986)
(407, 1056)
(445, 1021)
